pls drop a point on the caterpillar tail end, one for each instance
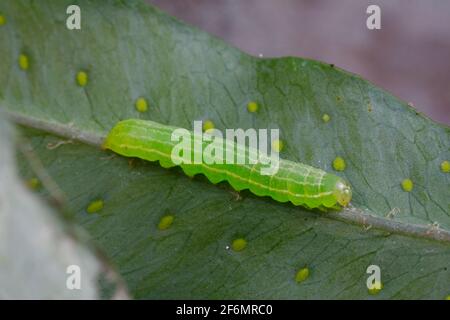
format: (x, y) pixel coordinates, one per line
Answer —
(103, 146)
(107, 144)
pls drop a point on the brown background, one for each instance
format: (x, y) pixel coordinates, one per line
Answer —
(409, 56)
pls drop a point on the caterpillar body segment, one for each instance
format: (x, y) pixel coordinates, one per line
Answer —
(296, 182)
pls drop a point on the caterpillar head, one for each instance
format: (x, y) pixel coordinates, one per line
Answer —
(342, 192)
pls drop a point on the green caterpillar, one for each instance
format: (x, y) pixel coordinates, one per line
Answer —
(295, 182)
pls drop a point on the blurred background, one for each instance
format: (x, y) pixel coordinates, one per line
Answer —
(409, 56)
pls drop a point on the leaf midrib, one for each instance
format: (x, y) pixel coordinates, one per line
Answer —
(352, 215)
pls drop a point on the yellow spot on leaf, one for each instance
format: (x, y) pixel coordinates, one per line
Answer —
(82, 78)
(95, 206)
(376, 288)
(24, 62)
(252, 106)
(407, 185)
(302, 275)
(239, 244)
(33, 183)
(141, 105)
(447, 297)
(208, 125)
(2, 20)
(339, 164)
(278, 145)
(445, 166)
(165, 222)
(326, 118)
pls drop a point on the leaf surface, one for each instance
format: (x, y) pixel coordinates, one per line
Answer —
(131, 50)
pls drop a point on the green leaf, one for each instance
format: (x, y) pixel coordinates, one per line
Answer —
(131, 50)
